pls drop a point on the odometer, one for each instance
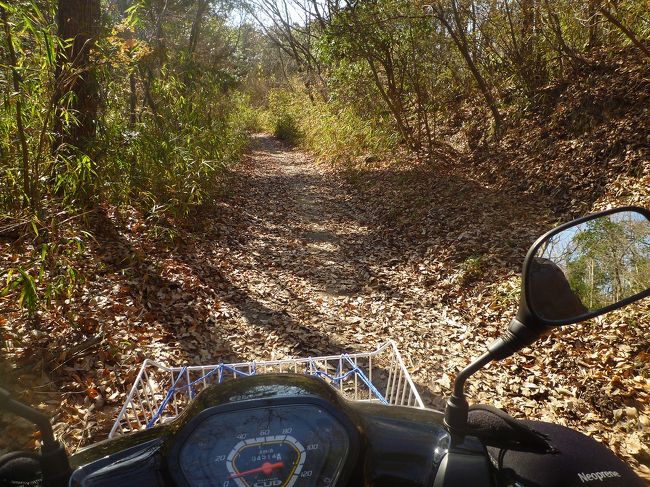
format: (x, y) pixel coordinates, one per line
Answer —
(267, 460)
(275, 446)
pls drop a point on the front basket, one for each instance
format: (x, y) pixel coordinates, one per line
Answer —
(160, 393)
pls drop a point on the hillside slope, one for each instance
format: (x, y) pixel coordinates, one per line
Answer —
(587, 149)
(466, 221)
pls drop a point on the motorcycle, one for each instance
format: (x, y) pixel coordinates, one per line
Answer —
(288, 429)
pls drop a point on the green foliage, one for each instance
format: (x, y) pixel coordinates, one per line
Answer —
(341, 135)
(472, 269)
(74, 177)
(171, 121)
(19, 280)
(283, 116)
(286, 128)
(246, 118)
(51, 272)
(175, 163)
(506, 293)
(382, 58)
(334, 133)
(29, 30)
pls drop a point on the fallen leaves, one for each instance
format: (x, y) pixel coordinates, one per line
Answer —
(296, 262)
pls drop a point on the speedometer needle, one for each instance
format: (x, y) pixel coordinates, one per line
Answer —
(266, 468)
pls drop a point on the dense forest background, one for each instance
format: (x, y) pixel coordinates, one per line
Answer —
(126, 115)
(146, 101)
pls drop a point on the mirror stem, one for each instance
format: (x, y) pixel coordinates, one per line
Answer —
(457, 406)
(467, 372)
(514, 339)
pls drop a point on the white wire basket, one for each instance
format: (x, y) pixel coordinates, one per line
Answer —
(160, 392)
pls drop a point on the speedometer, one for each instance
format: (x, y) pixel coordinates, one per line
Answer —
(273, 446)
(283, 458)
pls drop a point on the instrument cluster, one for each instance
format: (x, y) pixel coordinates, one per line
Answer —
(267, 446)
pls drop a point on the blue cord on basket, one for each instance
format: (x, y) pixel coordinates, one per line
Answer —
(169, 395)
(222, 367)
(354, 370)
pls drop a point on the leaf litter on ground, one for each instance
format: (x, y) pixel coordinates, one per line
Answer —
(297, 260)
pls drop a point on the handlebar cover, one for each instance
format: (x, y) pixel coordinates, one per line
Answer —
(577, 461)
(495, 427)
(19, 469)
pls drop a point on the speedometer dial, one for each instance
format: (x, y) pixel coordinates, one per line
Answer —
(268, 460)
(275, 446)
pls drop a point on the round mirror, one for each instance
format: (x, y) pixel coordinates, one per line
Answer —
(590, 266)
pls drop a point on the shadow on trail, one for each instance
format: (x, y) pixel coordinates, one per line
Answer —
(295, 334)
(146, 285)
(558, 190)
(151, 291)
(423, 207)
(429, 399)
(424, 213)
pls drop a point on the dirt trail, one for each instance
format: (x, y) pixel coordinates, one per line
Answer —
(305, 266)
(301, 258)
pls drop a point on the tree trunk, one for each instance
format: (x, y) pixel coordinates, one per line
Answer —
(630, 35)
(133, 94)
(196, 26)
(78, 23)
(592, 19)
(146, 77)
(562, 47)
(133, 100)
(395, 111)
(460, 39)
(533, 69)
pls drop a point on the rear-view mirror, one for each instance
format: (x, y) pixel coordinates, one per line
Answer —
(589, 266)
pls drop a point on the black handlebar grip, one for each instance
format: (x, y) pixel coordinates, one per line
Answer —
(18, 469)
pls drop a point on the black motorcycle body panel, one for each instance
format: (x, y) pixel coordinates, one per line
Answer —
(578, 461)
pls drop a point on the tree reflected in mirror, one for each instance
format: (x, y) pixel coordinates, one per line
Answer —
(590, 266)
